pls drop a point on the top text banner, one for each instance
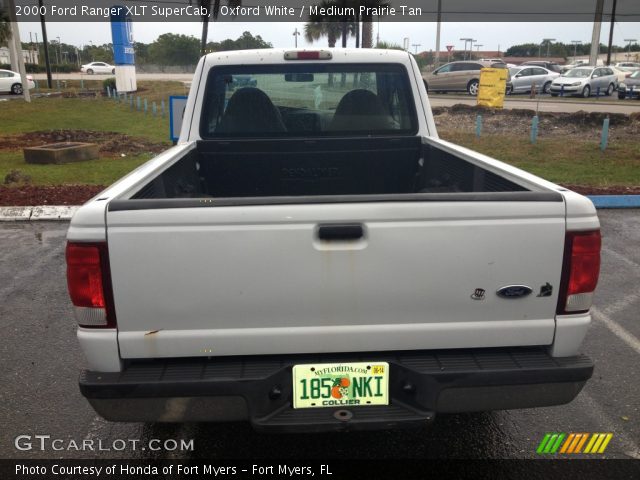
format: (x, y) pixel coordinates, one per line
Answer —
(303, 10)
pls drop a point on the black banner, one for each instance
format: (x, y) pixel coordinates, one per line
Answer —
(339, 11)
(319, 469)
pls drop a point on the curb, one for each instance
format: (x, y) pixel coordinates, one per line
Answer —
(65, 212)
(615, 201)
(39, 213)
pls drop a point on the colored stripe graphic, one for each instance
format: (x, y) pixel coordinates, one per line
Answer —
(573, 443)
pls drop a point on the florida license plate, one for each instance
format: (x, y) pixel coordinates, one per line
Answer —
(340, 385)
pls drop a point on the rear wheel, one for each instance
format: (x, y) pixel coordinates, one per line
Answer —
(586, 91)
(113, 71)
(472, 87)
(610, 89)
(546, 87)
(89, 72)
(16, 89)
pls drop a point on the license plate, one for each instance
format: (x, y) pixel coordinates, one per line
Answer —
(340, 385)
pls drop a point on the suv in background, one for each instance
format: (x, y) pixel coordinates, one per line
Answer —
(458, 76)
(553, 66)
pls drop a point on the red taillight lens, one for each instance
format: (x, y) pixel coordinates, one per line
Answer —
(308, 55)
(84, 276)
(580, 271)
(89, 283)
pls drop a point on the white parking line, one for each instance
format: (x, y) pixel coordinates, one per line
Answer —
(617, 329)
(629, 446)
(621, 257)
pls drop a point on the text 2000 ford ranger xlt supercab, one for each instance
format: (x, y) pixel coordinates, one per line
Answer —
(311, 256)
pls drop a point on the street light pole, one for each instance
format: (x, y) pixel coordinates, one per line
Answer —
(465, 40)
(575, 49)
(296, 33)
(548, 40)
(630, 40)
(416, 45)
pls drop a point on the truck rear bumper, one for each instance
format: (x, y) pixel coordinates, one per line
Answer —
(259, 389)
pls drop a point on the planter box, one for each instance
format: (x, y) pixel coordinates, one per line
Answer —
(57, 153)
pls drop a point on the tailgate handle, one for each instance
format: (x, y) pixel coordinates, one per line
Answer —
(352, 231)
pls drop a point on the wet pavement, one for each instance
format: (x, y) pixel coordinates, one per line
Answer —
(41, 361)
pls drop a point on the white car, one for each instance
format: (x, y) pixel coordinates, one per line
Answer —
(621, 74)
(97, 67)
(585, 81)
(628, 66)
(11, 82)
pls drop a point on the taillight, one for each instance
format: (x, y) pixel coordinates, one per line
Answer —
(580, 271)
(89, 283)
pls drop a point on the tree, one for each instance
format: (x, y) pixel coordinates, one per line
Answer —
(5, 27)
(206, 4)
(175, 49)
(367, 21)
(320, 26)
(246, 41)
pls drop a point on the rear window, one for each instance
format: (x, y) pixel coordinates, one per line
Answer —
(297, 99)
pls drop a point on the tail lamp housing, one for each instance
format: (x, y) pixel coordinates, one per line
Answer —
(89, 284)
(580, 271)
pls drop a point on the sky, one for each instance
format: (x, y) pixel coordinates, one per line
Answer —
(492, 36)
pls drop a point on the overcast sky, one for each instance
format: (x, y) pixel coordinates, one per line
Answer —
(491, 35)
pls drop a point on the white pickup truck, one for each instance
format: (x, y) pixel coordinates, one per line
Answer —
(311, 256)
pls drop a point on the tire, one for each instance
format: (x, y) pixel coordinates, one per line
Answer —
(89, 72)
(16, 89)
(546, 87)
(472, 87)
(610, 90)
(509, 91)
(586, 91)
(554, 94)
(113, 71)
(621, 96)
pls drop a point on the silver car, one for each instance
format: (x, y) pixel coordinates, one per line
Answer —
(585, 81)
(524, 77)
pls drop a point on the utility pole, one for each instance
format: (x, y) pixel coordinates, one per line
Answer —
(613, 21)
(630, 40)
(575, 49)
(295, 34)
(17, 45)
(595, 37)
(438, 20)
(416, 45)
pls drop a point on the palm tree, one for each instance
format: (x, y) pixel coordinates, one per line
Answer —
(5, 27)
(367, 19)
(320, 26)
(206, 4)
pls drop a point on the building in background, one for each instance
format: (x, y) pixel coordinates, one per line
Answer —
(30, 56)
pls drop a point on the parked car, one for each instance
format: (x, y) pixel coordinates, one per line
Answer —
(620, 74)
(11, 82)
(244, 81)
(585, 81)
(462, 76)
(630, 87)
(576, 64)
(523, 78)
(327, 268)
(97, 67)
(628, 66)
(552, 66)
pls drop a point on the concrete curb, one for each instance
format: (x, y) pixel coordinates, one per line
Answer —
(65, 212)
(39, 213)
(615, 201)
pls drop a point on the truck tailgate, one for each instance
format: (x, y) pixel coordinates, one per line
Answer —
(237, 280)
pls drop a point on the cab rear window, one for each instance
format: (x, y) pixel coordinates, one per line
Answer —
(308, 100)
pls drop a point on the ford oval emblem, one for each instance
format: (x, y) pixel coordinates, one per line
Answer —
(514, 291)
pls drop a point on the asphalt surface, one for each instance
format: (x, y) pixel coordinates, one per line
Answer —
(41, 361)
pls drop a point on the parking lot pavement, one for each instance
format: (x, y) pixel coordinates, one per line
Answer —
(41, 361)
